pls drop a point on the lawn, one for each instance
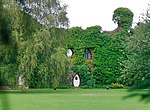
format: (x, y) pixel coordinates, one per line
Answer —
(70, 99)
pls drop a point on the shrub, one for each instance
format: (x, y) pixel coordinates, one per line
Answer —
(116, 85)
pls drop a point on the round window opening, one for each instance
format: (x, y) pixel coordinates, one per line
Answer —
(69, 53)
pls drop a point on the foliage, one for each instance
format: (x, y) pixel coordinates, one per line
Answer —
(107, 57)
(40, 57)
(51, 13)
(86, 77)
(75, 36)
(5, 28)
(37, 52)
(145, 17)
(137, 66)
(8, 66)
(58, 66)
(31, 50)
(108, 51)
(116, 85)
(123, 17)
(92, 36)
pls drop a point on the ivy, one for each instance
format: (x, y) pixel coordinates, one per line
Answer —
(107, 57)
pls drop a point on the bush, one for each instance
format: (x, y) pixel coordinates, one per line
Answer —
(116, 85)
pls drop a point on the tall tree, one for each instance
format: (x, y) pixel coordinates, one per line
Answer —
(8, 66)
(32, 46)
(137, 66)
(123, 17)
(58, 66)
(4, 24)
(48, 12)
(145, 17)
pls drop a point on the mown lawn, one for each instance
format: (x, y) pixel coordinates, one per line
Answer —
(70, 99)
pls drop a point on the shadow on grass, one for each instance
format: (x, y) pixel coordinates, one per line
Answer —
(142, 90)
(144, 94)
(34, 91)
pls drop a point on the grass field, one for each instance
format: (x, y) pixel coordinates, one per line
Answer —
(70, 99)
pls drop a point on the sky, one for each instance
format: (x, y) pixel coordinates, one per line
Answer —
(86, 13)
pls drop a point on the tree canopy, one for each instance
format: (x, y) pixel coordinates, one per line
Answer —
(137, 68)
(123, 17)
(51, 13)
(30, 48)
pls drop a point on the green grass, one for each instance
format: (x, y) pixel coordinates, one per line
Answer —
(70, 99)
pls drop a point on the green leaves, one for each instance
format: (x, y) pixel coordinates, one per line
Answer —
(51, 13)
(107, 57)
(138, 63)
(59, 66)
(123, 17)
(32, 48)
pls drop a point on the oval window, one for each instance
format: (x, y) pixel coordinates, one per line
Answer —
(69, 52)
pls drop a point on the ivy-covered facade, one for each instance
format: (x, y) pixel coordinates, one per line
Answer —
(97, 55)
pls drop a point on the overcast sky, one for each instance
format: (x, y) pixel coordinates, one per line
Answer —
(86, 13)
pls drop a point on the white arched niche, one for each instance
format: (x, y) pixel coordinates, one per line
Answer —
(76, 81)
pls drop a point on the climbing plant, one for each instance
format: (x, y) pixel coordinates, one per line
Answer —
(105, 65)
(123, 17)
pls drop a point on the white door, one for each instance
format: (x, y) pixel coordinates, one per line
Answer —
(76, 81)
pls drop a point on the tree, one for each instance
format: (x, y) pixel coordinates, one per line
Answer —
(8, 66)
(30, 50)
(145, 17)
(42, 61)
(51, 13)
(137, 66)
(5, 27)
(123, 17)
(59, 66)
